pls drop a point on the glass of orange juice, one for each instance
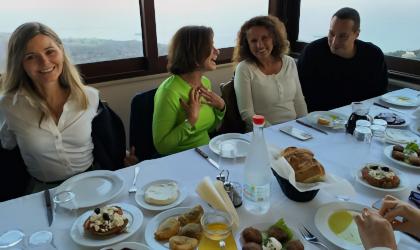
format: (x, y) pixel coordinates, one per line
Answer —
(217, 226)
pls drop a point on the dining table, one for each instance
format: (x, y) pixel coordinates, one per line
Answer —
(335, 151)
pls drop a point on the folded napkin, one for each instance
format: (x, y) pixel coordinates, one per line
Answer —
(214, 193)
(333, 184)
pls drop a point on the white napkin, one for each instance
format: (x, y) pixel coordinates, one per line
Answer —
(333, 184)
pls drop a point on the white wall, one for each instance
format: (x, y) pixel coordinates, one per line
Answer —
(118, 94)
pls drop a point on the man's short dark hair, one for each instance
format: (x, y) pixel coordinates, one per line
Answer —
(351, 14)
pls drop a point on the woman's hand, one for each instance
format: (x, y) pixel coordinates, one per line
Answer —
(130, 157)
(393, 207)
(212, 98)
(193, 106)
(374, 230)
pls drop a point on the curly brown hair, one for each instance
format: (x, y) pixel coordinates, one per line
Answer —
(277, 31)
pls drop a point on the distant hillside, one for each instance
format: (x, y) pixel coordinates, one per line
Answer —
(415, 54)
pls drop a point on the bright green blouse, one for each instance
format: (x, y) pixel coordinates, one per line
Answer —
(171, 132)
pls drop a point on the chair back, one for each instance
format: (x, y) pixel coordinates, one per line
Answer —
(232, 122)
(141, 119)
(15, 177)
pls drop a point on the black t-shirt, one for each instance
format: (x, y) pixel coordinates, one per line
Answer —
(329, 81)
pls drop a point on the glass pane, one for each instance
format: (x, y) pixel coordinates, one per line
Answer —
(225, 17)
(91, 30)
(389, 24)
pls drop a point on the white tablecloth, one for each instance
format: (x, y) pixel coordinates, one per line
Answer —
(334, 151)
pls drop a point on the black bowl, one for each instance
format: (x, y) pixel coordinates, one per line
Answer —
(292, 193)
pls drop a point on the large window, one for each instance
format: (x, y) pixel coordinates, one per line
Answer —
(225, 17)
(91, 30)
(391, 25)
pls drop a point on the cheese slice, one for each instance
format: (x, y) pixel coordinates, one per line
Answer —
(216, 196)
(161, 193)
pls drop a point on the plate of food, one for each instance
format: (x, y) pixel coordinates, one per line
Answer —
(392, 119)
(335, 222)
(238, 143)
(107, 225)
(382, 178)
(400, 99)
(127, 246)
(161, 195)
(273, 236)
(93, 188)
(406, 156)
(329, 119)
(177, 226)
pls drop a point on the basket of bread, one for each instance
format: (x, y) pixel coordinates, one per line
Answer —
(300, 174)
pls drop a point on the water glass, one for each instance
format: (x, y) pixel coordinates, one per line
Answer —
(41, 240)
(217, 226)
(227, 155)
(12, 239)
(65, 209)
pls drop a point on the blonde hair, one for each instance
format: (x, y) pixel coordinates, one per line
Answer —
(278, 34)
(16, 78)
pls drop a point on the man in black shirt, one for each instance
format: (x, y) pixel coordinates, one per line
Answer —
(339, 69)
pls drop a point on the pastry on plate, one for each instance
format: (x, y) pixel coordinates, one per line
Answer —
(107, 220)
(167, 229)
(182, 243)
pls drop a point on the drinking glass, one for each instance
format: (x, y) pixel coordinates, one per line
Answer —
(12, 239)
(65, 209)
(227, 154)
(41, 240)
(217, 226)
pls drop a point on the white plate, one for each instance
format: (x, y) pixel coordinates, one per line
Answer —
(125, 245)
(388, 154)
(94, 187)
(182, 194)
(135, 219)
(415, 128)
(403, 179)
(152, 226)
(337, 120)
(399, 136)
(265, 226)
(321, 223)
(239, 142)
(406, 119)
(401, 100)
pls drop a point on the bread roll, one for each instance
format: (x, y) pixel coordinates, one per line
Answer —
(307, 168)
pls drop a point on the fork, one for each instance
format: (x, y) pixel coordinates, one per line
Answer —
(133, 188)
(310, 237)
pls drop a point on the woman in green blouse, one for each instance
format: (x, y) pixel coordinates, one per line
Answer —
(185, 107)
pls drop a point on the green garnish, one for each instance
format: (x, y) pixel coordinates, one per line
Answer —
(282, 225)
(334, 117)
(411, 147)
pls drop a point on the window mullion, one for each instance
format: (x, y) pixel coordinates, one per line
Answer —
(148, 23)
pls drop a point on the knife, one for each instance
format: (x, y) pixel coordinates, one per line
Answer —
(205, 156)
(312, 127)
(49, 206)
(386, 107)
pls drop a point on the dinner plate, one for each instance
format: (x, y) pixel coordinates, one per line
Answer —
(152, 226)
(403, 179)
(415, 128)
(400, 99)
(265, 226)
(406, 119)
(127, 245)
(321, 222)
(182, 194)
(337, 120)
(399, 136)
(94, 187)
(388, 154)
(238, 142)
(135, 219)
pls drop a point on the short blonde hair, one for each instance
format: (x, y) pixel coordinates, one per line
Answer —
(278, 34)
(16, 78)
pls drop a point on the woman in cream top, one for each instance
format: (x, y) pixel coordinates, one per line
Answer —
(266, 79)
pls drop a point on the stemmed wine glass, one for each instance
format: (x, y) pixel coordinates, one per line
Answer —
(217, 226)
(12, 239)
